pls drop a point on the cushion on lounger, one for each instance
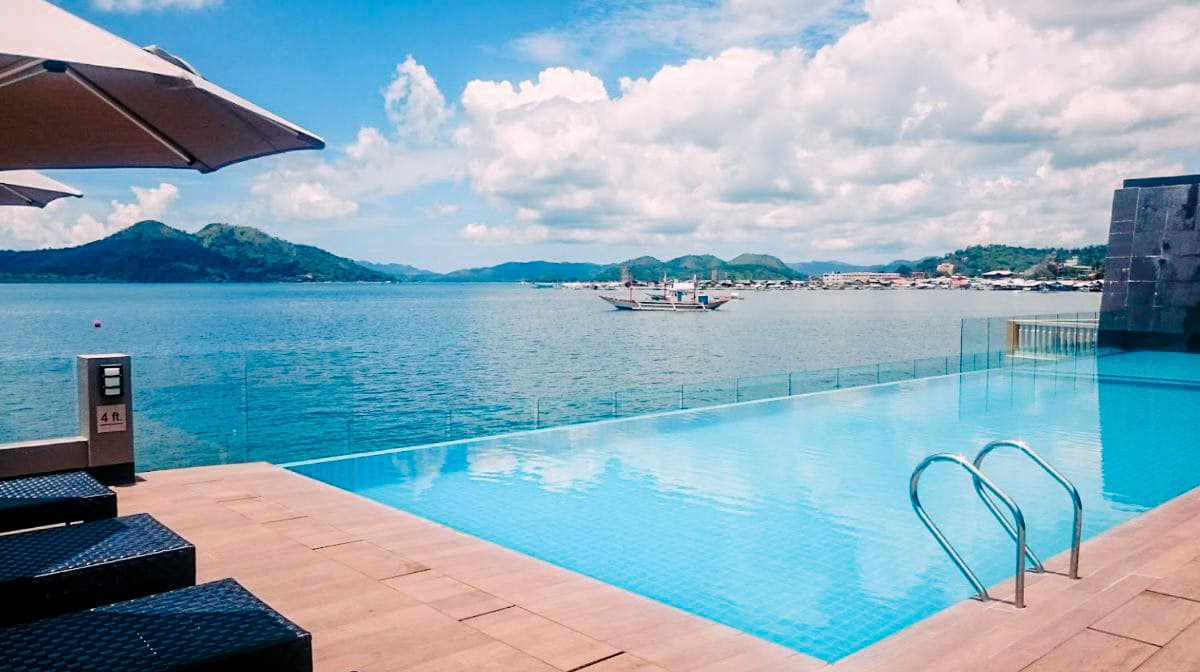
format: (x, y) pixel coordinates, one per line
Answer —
(33, 501)
(216, 626)
(63, 569)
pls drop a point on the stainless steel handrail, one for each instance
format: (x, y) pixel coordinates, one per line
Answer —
(1062, 480)
(979, 478)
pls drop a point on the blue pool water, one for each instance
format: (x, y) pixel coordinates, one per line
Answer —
(790, 519)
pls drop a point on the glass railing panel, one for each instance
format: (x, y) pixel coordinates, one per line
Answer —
(935, 366)
(190, 410)
(47, 410)
(891, 372)
(805, 382)
(699, 395)
(557, 411)
(762, 387)
(649, 399)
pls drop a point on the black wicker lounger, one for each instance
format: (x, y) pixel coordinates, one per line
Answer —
(33, 501)
(216, 626)
(63, 569)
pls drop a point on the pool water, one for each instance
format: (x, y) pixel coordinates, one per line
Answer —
(790, 519)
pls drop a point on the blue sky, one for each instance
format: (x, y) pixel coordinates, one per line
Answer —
(864, 131)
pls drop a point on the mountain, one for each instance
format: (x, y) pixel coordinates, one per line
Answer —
(531, 271)
(399, 270)
(151, 251)
(742, 267)
(154, 252)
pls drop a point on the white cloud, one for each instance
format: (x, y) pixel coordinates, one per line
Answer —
(61, 224)
(415, 105)
(929, 125)
(417, 152)
(149, 203)
(484, 234)
(134, 6)
(302, 200)
(440, 210)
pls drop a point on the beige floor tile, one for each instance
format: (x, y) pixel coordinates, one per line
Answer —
(556, 644)
(220, 490)
(261, 510)
(1150, 617)
(491, 657)
(375, 562)
(312, 533)
(1181, 654)
(1095, 652)
(1183, 582)
(453, 598)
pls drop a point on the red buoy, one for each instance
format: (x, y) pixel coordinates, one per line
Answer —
(96, 324)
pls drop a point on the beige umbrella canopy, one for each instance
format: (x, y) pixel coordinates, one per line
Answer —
(25, 187)
(73, 95)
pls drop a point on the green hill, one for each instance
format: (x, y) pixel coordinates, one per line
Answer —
(154, 252)
(742, 267)
(1028, 261)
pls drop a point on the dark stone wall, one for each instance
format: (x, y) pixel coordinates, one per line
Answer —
(1152, 276)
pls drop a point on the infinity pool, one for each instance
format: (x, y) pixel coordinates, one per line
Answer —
(790, 519)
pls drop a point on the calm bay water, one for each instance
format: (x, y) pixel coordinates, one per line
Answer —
(278, 372)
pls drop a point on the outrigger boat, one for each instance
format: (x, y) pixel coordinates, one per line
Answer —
(672, 300)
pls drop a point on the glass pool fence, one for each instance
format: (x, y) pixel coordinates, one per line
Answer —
(281, 406)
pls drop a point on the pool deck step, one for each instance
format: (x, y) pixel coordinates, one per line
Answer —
(382, 589)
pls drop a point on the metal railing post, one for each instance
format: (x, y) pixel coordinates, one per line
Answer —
(537, 412)
(245, 406)
(614, 404)
(877, 379)
(737, 390)
(837, 378)
(681, 396)
(789, 384)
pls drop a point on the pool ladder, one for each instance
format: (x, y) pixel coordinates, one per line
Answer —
(1015, 529)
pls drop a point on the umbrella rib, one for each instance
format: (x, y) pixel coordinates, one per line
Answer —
(14, 74)
(23, 197)
(134, 118)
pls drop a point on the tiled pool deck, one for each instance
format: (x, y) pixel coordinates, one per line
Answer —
(382, 589)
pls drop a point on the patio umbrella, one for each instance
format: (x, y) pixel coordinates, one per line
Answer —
(25, 187)
(73, 95)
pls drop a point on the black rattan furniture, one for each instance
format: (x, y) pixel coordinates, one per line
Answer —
(58, 570)
(216, 626)
(33, 501)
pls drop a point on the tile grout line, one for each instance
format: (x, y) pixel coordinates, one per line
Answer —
(396, 576)
(1132, 639)
(493, 611)
(340, 543)
(597, 661)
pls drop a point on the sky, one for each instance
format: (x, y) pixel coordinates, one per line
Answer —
(468, 133)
